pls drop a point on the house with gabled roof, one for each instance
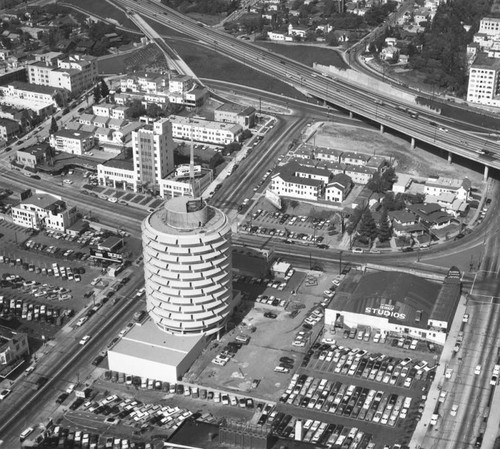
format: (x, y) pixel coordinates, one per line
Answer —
(405, 223)
(338, 188)
(354, 158)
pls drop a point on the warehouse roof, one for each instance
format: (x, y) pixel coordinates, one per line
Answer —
(401, 297)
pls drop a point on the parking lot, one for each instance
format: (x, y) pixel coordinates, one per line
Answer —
(46, 279)
(290, 228)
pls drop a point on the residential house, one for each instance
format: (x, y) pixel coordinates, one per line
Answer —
(437, 186)
(338, 188)
(354, 158)
(405, 224)
(327, 154)
(359, 174)
(431, 215)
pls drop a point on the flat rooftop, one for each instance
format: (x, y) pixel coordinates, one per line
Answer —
(147, 342)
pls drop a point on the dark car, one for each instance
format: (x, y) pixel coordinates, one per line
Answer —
(77, 403)
(62, 397)
(35, 177)
(270, 315)
(323, 246)
(288, 360)
(408, 249)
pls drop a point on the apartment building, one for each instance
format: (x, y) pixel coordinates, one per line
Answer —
(484, 80)
(73, 142)
(292, 180)
(8, 129)
(490, 26)
(40, 99)
(76, 73)
(205, 131)
(43, 210)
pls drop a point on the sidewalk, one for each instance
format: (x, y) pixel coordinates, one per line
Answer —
(446, 361)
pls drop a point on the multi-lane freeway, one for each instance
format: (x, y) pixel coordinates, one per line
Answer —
(426, 126)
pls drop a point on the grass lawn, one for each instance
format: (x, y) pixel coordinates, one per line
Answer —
(307, 54)
(136, 60)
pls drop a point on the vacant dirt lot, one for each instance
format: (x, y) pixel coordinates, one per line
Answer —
(417, 162)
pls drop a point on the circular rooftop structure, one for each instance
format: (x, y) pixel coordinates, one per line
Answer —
(187, 267)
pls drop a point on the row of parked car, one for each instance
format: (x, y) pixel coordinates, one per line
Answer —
(345, 400)
(375, 367)
(55, 251)
(27, 310)
(322, 434)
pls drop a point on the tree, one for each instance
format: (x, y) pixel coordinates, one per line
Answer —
(354, 220)
(136, 109)
(97, 94)
(58, 98)
(367, 227)
(384, 229)
(104, 88)
(216, 160)
(246, 134)
(294, 204)
(53, 126)
(154, 111)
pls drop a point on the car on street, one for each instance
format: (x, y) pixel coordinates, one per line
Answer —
(477, 371)
(465, 318)
(4, 394)
(85, 340)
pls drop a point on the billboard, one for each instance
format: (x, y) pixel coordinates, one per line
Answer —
(273, 198)
(194, 205)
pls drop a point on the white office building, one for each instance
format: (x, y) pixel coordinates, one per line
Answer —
(153, 153)
(484, 80)
(187, 267)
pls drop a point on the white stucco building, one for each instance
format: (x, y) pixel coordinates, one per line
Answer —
(43, 210)
(187, 267)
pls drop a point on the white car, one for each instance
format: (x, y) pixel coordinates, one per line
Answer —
(4, 394)
(113, 199)
(68, 181)
(70, 388)
(85, 340)
(477, 371)
(454, 409)
(465, 319)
